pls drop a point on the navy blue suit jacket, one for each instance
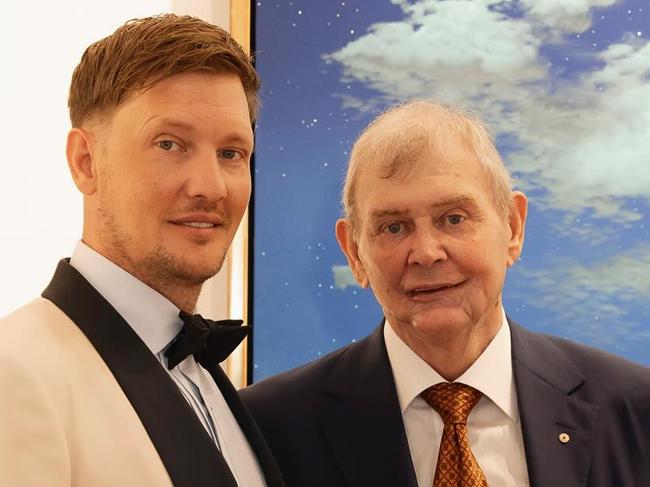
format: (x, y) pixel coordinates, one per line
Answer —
(337, 421)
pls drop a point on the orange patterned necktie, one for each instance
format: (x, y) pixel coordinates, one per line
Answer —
(456, 465)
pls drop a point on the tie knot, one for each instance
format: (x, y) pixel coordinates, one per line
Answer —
(453, 401)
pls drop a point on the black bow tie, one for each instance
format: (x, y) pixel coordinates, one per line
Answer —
(209, 341)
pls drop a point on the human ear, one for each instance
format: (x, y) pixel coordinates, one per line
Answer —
(81, 160)
(517, 224)
(345, 237)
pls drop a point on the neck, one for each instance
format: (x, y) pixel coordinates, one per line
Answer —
(183, 292)
(449, 352)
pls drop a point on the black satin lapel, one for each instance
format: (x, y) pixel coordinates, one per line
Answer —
(250, 429)
(545, 381)
(361, 419)
(188, 453)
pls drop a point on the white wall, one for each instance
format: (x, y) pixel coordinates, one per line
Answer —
(40, 209)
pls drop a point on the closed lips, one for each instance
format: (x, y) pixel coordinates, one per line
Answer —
(431, 289)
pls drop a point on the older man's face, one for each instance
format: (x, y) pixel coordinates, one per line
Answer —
(432, 245)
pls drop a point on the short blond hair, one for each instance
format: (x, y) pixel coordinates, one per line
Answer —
(396, 139)
(144, 51)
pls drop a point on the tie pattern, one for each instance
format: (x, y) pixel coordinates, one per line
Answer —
(456, 465)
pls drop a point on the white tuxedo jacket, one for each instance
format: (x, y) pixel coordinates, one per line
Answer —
(85, 403)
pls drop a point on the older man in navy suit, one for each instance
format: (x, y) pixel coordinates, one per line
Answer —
(448, 390)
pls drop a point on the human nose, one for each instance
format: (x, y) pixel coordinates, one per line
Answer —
(206, 178)
(426, 247)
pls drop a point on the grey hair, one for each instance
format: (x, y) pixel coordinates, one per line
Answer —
(396, 139)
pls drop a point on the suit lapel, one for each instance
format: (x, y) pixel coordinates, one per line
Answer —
(362, 421)
(251, 431)
(546, 381)
(189, 455)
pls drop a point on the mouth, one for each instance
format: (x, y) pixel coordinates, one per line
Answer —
(195, 224)
(198, 221)
(427, 291)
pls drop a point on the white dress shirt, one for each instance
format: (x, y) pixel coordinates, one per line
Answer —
(155, 319)
(493, 426)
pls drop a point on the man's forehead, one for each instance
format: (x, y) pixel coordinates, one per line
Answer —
(432, 162)
(191, 107)
(159, 88)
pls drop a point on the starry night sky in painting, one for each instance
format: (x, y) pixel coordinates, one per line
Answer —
(565, 89)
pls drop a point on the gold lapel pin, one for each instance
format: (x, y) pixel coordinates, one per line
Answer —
(564, 438)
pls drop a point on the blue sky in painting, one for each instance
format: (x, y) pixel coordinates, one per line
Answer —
(564, 86)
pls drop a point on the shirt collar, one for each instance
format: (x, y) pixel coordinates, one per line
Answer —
(491, 373)
(151, 315)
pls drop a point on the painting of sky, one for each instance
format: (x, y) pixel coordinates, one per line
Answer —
(564, 86)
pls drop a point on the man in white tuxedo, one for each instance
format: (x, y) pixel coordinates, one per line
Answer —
(108, 378)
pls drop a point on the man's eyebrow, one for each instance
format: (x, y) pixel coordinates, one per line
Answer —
(233, 137)
(462, 200)
(379, 214)
(167, 122)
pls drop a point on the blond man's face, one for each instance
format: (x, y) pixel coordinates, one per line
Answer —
(174, 177)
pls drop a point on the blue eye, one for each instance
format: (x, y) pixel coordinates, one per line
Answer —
(394, 228)
(166, 145)
(455, 219)
(230, 154)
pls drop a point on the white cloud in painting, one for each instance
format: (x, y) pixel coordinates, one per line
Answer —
(550, 16)
(596, 152)
(343, 277)
(585, 143)
(591, 301)
(563, 15)
(440, 49)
